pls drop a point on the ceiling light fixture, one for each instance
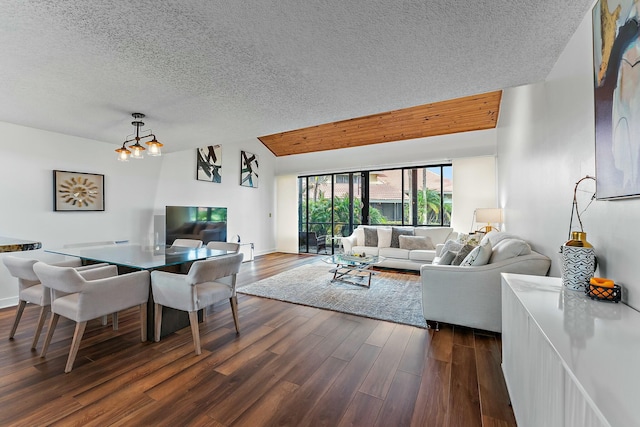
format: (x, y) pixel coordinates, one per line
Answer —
(136, 150)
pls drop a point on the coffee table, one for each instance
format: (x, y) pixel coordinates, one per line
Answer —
(352, 269)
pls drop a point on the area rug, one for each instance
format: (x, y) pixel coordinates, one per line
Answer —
(393, 297)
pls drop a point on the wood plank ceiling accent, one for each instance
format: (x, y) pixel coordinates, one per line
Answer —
(476, 112)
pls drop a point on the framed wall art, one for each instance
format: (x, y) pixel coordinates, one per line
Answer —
(209, 163)
(78, 191)
(616, 41)
(248, 169)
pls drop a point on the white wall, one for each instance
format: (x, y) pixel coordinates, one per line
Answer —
(546, 143)
(474, 186)
(28, 157)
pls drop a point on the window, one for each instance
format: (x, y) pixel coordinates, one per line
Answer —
(333, 205)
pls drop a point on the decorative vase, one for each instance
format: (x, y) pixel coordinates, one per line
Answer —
(578, 262)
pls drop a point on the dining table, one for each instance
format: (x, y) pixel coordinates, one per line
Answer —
(134, 257)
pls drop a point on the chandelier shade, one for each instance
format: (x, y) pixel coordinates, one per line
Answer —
(136, 150)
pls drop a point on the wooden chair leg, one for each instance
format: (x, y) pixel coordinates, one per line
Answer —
(143, 322)
(19, 311)
(52, 327)
(114, 317)
(195, 331)
(75, 345)
(157, 326)
(234, 310)
(44, 311)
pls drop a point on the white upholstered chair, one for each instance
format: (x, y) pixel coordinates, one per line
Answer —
(31, 291)
(224, 246)
(200, 288)
(187, 243)
(82, 299)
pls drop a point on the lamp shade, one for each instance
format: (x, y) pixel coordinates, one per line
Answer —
(489, 215)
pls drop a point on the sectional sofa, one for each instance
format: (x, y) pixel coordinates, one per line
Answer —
(402, 247)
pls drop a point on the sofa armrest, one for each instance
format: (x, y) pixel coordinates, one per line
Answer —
(471, 296)
(348, 243)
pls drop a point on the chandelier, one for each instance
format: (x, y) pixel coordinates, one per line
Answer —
(136, 150)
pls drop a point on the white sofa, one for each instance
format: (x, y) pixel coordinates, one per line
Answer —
(409, 254)
(471, 295)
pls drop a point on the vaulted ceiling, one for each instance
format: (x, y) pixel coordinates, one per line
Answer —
(219, 72)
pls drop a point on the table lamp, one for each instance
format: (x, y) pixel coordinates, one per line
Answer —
(489, 216)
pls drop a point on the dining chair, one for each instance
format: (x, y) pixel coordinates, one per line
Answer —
(224, 246)
(30, 290)
(199, 288)
(80, 299)
(187, 243)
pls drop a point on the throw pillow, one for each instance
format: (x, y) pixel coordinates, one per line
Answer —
(509, 248)
(445, 259)
(370, 236)
(415, 242)
(396, 232)
(384, 237)
(451, 245)
(478, 256)
(462, 254)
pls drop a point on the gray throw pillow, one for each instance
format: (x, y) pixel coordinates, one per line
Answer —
(446, 258)
(371, 236)
(396, 232)
(462, 254)
(451, 245)
(416, 242)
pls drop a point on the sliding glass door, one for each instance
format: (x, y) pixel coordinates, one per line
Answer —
(332, 205)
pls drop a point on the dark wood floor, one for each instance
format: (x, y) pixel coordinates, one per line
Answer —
(290, 366)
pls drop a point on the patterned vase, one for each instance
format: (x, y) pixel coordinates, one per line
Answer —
(578, 262)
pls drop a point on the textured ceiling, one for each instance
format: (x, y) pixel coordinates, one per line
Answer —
(207, 72)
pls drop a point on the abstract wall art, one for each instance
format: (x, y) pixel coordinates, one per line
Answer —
(616, 52)
(248, 169)
(77, 191)
(209, 163)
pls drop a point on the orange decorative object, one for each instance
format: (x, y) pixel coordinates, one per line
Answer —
(602, 282)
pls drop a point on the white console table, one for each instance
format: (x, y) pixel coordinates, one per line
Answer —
(568, 360)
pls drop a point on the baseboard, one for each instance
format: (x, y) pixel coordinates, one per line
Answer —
(8, 302)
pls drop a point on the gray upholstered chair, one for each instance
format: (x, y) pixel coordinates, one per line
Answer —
(200, 288)
(85, 298)
(224, 246)
(31, 291)
(187, 243)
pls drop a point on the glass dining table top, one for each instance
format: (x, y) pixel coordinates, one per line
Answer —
(139, 256)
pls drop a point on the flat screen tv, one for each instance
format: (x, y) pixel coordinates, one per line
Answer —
(195, 222)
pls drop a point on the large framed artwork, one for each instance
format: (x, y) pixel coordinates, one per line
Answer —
(209, 163)
(248, 169)
(616, 44)
(78, 191)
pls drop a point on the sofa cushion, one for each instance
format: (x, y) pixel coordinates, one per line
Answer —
(478, 256)
(396, 232)
(368, 250)
(437, 234)
(396, 253)
(445, 259)
(370, 236)
(509, 248)
(415, 242)
(384, 237)
(496, 236)
(359, 233)
(422, 255)
(462, 254)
